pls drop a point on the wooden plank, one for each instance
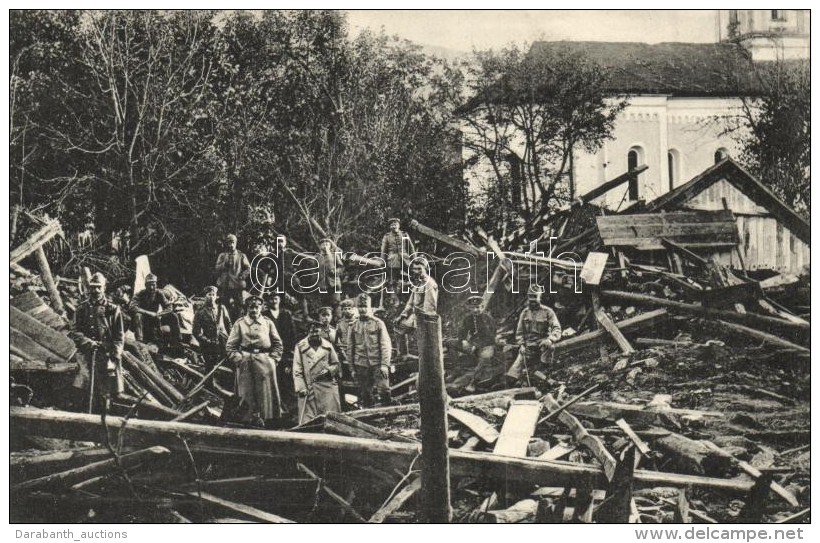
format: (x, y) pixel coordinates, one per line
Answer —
(602, 189)
(29, 349)
(180, 436)
(335, 497)
(35, 307)
(694, 309)
(397, 501)
(55, 342)
(448, 240)
(642, 447)
(48, 279)
(519, 425)
(68, 478)
(478, 426)
(613, 331)
(36, 241)
(559, 451)
(639, 322)
(768, 338)
(583, 437)
(247, 510)
(754, 472)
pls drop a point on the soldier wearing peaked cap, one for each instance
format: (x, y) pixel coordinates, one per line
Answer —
(99, 333)
(477, 334)
(369, 350)
(536, 334)
(315, 371)
(255, 347)
(211, 326)
(396, 249)
(232, 268)
(330, 275)
(150, 308)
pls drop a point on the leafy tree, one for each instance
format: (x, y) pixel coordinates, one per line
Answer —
(774, 130)
(528, 114)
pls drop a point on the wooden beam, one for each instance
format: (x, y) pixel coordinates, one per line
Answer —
(342, 424)
(478, 426)
(331, 494)
(48, 280)
(607, 324)
(191, 412)
(443, 238)
(768, 338)
(699, 310)
(646, 320)
(68, 478)
(37, 240)
(60, 347)
(283, 444)
(754, 472)
(593, 443)
(602, 189)
(247, 510)
(396, 502)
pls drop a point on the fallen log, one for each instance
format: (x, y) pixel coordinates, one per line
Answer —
(281, 444)
(701, 311)
(690, 456)
(29, 466)
(66, 479)
(518, 512)
(754, 472)
(191, 412)
(443, 238)
(348, 426)
(396, 502)
(634, 413)
(158, 381)
(646, 320)
(331, 494)
(594, 444)
(393, 410)
(247, 510)
(768, 338)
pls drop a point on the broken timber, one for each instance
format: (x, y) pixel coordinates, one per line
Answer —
(397, 501)
(646, 320)
(247, 510)
(478, 426)
(178, 435)
(448, 240)
(700, 310)
(519, 425)
(35, 244)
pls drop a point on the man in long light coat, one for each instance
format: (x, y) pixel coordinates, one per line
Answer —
(315, 370)
(255, 347)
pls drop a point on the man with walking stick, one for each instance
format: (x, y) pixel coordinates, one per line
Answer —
(99, 333)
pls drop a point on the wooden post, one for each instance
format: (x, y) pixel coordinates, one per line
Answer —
(435, 471)
(48, 280)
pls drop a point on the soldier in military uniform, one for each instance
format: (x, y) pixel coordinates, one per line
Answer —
(211, 326)
(395, 253)
(477, 334)
(99, 333)
(369, 351)
(349, 317)
(315, 370)
(255, 347)
(536, 334)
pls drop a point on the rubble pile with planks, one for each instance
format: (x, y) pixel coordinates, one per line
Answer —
(679, 393)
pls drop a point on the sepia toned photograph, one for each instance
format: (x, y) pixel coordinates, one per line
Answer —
(410, 267)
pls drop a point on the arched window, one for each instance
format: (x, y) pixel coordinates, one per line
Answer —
(720, 154)
(634, 158)
(673, 164)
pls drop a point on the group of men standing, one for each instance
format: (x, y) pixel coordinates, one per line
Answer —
(274, 371)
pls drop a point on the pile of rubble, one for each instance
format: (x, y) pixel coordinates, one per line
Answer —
(679, 393)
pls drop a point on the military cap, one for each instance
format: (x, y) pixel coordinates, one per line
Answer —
(363, 300)
(325, 240)
(251, 300)
(392, 220)
(474, 300)
(230, 237)
(97, 279)
(325, 310)
(150, 278)
(536, 289)
(313, 323)
(347, 302)
(209, 289)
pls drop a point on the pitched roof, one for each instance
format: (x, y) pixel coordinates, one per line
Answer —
(745, 182)
(679, 69)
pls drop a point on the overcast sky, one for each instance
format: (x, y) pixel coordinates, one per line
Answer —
(463, 30)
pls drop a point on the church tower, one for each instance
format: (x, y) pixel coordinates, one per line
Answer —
(768, 34)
